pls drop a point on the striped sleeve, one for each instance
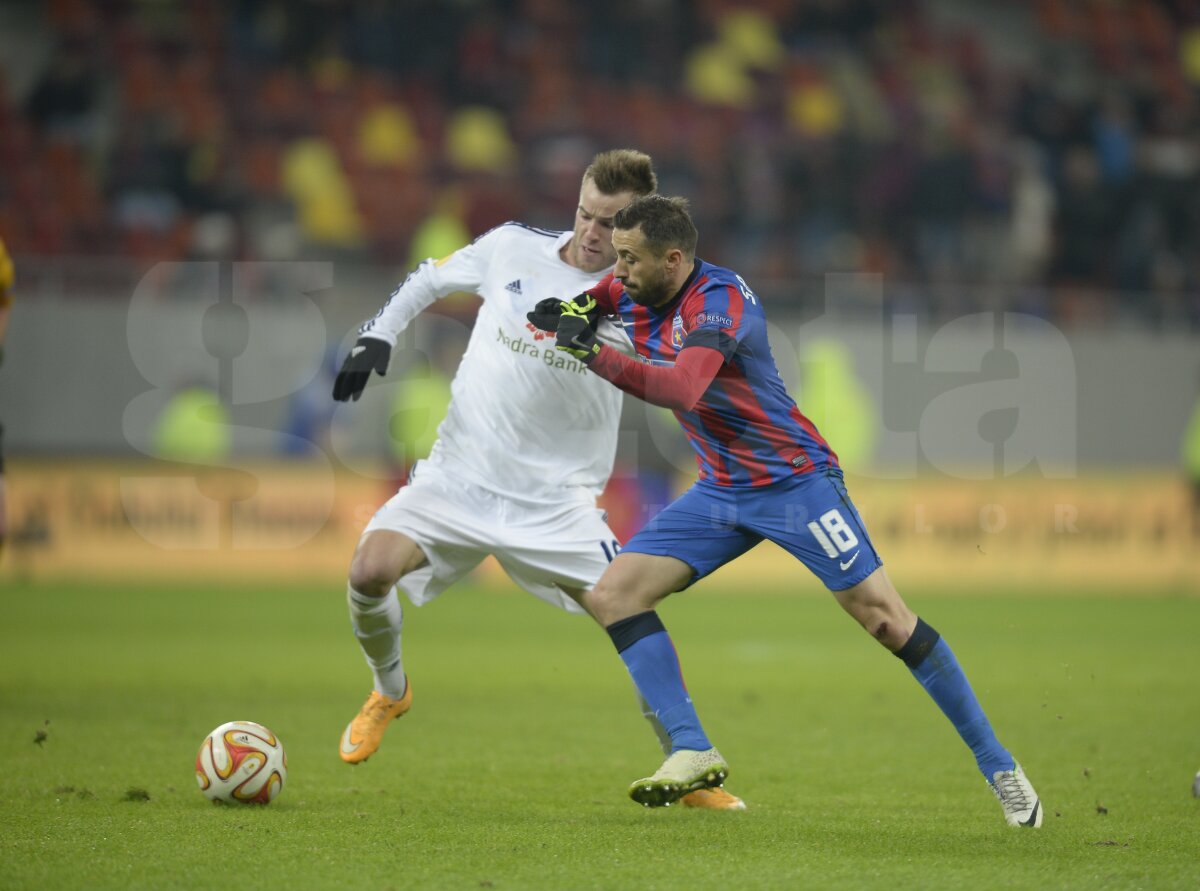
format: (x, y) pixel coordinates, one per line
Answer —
(677, 387)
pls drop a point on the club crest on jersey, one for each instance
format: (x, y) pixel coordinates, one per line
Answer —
(677, 332)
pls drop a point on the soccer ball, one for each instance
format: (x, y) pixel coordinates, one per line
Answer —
(241, 762)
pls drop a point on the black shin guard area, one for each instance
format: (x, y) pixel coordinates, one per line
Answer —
(626, 632)
(923, 640)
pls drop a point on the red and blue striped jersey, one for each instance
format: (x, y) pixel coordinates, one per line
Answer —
(746, 430)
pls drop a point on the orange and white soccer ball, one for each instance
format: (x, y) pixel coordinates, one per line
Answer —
(241, 762)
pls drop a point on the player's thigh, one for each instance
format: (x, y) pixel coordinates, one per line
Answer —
(556, 552)
(634, 583)
(403, 533)
(700, 528)
(813, 519)
(382, 557)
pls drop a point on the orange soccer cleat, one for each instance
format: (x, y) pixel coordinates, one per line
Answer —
(364, 734)
(713, 800)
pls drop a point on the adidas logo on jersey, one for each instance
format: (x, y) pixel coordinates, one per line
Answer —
(514, 286)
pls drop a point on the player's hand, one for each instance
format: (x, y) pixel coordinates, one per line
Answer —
(576, 335)
(368, 354)
(545, 313)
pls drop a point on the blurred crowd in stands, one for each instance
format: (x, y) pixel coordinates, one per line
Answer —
(1046, 149)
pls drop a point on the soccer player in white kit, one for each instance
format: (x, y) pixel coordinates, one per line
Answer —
(526, 447)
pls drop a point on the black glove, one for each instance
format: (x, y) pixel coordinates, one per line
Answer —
(576, 335)
(368, 354)
(545, 313)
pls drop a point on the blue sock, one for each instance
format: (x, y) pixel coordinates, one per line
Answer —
(932, 663)
(649, 655)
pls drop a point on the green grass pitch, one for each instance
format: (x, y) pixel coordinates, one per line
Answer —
(510, 771)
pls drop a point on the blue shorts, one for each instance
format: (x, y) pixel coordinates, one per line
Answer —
(810, 516)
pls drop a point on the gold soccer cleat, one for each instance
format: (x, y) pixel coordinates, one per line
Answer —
(364, 734)
(713, 800)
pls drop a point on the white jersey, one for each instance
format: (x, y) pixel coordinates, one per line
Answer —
(525, 420)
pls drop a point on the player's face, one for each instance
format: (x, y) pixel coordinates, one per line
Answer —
(644, 275)
(591, 247)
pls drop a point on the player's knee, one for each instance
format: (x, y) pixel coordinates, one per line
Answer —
(599, 602)
(371, 574)
(609, 602)
(890, 624)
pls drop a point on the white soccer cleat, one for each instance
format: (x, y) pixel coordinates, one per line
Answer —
(1196, 785)
(684, 771)
(1021, 804)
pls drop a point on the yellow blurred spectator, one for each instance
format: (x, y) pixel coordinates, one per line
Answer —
(1190, 453)
(752, 39)
(7, 280)
(1189, 54)
(715, 75)
(720, 73)
(313, 177)
(442, 232)
(387, 137)
(814, 109)
(837, 402)
(421, 400)
(193, 426)
(477, 139)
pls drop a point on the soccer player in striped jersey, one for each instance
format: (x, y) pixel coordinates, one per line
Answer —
(700, 338)
(512, 474)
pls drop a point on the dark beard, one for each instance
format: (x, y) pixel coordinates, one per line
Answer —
(649, 294)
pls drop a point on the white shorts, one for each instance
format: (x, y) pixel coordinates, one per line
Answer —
(457, 524)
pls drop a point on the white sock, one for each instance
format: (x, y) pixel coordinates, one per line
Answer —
(377, 623)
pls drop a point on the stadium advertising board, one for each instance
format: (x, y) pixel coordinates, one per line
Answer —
(114, 520)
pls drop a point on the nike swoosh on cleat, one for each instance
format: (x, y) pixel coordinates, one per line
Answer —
(1032, 821)
(358, 350)
(349, 747)
(849, 562)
